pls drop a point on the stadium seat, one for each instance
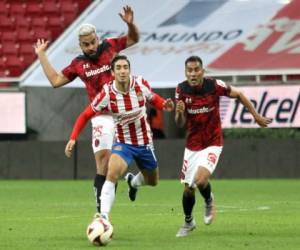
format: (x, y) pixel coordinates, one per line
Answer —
(9, 49)
(24, 35)
(55, 24)
(6, 23)
(33, 9)
(8, 36)
(50, 8)
(22, 22)
(4, 8)
(38, 22)
(14, 64)
(17, 9)
(42, 33)
(68, 7)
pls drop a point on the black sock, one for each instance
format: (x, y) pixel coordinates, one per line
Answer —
(98, 184)
(188, 202)
(206, 192)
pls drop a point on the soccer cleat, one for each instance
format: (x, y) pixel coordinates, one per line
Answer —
(131, 190)
(186, 228)
(209, 211)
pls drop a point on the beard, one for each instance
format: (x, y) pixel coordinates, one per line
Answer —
(95, 56)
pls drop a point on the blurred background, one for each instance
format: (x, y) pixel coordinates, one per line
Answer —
(239, 41)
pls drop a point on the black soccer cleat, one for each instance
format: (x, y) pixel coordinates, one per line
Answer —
(131, 190)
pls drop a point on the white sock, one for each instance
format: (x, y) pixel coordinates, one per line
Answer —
(107, 197)
(138, 180)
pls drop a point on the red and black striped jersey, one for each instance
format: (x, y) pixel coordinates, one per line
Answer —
(95, 73)
(202, 112)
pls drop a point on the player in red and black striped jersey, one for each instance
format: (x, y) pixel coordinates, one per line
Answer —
(93, 68)
(197, 108)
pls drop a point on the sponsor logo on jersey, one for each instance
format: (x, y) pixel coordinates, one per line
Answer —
(130, 117)
(200, 111)
(98, 71)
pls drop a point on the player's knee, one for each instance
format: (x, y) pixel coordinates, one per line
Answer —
(188, 191)
(202, 182)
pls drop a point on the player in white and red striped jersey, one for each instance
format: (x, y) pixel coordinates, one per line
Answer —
(125, 98)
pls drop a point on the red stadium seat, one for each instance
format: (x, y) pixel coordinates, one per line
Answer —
(68, 7)
(33, 9)
(14, 64)
(8, 36)
(50, 8)
(42, 33)
(6, 23)
(38, 22)
(56, 25)
(4, 8)
(24, 35)
(9, 49)
(17, 9)
(22, 22)
(26, 48)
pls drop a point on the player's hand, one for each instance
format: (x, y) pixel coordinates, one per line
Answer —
(127, 16)
(180, 107)
(262, 121)
(41, 46)
(168, 105)
(69, 147)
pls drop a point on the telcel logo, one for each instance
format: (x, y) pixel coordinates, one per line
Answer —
(280, 110)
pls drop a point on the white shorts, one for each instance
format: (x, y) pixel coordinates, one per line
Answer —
(207, 158)
(103, 132)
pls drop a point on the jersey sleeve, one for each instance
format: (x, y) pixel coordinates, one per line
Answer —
(81, 121)
(222, 89)
(101, 100)
(70, 71)
(118, 43)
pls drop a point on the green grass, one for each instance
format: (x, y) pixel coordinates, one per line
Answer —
(251, 214)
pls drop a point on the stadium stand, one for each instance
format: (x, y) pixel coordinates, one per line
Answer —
(22, 22)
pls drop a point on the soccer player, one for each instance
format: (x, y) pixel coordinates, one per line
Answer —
(197, 107)
(93, 68)
(125, 98)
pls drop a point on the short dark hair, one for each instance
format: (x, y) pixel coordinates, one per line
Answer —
(117, 58)
(193, 59)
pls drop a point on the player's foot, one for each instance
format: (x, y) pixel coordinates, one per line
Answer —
(209, 211)
(131, 190)
(186, 228)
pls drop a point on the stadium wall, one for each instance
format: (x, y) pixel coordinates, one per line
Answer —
(241, 158)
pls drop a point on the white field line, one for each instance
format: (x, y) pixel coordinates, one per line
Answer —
(220, 209)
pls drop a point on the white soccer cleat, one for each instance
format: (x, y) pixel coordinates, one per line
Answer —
(209, 211)
(186, 228)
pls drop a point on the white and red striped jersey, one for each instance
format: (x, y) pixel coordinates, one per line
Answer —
(128, 110)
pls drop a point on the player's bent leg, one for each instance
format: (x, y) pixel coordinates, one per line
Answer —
(132, 190)
(151, 176)
(202, 182)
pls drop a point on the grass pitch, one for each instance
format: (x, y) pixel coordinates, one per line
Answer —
(251, 214)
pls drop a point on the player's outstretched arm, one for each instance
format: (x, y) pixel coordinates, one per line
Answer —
(80, 123)
(180, 117)
(56, 79)
(261, 120)
(133, 35)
